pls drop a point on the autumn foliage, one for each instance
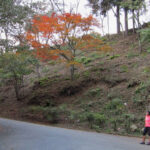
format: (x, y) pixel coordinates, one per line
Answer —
(61, 36)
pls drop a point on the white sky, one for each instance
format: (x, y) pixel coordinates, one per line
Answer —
(85, 11)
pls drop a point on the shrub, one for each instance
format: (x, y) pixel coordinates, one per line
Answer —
(73, 115)
(146, 70)
(45, 70)
(128, 119)
(114, 56)
(86, 74)
(124, 68)
(143, 88)
(114, 104)
(132, 55)
(96, 118)
(43, 81)
(52, 115)
(94, 92)
(95, 127)
(36, 109)
(115, 122)
(84, 60)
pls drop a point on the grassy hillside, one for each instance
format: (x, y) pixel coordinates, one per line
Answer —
(109, 94)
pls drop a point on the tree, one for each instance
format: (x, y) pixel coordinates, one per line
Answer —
(103, 6)
(64, 37)
(133, 6)
(13, 16)
(14, 67)
(125, 5)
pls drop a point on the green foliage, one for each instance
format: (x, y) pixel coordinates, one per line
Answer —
(94, 92)
(114, 104)
(43, 81)
(115, 122)
(142, 87)
(45, 70)
(138, 100)
(129, 118)
(13, 17)
(95, 127)
(37, 109)
(84, 60)
(52, 62)
(148, 49)
(96, 119)
(124, 68)
(73, 115)
(146, 70)
(145, 35)
(114, 56)
(53, 115)
(132, 55)
(86, 73)
(95, 56)
(15, 67)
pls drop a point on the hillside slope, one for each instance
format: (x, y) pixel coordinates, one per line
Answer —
(111, 93)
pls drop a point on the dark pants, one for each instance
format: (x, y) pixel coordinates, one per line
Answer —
(146, 130)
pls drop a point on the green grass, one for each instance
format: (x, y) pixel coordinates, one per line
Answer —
(132, 55)
(114, 56)
(124, 68)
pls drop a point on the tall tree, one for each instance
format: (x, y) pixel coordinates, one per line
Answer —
(103, 6)
(14, 67)
(13, 16)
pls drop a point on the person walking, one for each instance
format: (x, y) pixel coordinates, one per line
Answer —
(147, 128)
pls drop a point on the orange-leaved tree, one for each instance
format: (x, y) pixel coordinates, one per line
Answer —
(63, 37)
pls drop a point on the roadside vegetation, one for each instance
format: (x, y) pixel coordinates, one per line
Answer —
(51, 73)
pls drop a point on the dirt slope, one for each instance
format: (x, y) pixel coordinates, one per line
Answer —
(112, 89)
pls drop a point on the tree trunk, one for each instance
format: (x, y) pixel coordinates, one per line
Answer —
(17, 91)
(72, 69)
(138, 19)
(133, 20)
(126, 21)
(108, 23)
(140, 43)
(38, 71)
(118, 19)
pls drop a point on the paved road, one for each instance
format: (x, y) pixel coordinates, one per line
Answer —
(16, 135)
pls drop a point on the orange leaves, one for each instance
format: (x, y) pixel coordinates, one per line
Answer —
(61, 35)
(44, 54)
(90, 43)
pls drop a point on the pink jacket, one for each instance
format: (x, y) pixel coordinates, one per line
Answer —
(147, 121)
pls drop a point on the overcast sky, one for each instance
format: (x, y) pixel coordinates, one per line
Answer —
(85, 10)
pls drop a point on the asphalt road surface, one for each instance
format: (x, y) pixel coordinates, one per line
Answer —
(16, 135)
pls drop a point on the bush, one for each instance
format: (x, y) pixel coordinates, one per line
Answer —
(124, 68)
(132, 55)
(73, 116)
(114, 56)
(36, 109)
(45, 70)
(94, 92)
(43, 81)
(96, 118)
(114, 104)
(115, 122)
(84, 60)
(128, 119)
(53, 115)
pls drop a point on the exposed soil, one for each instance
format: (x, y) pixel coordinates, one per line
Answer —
(118, 74)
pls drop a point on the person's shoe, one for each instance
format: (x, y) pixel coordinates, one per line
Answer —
(142, 143)
(148, 143)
